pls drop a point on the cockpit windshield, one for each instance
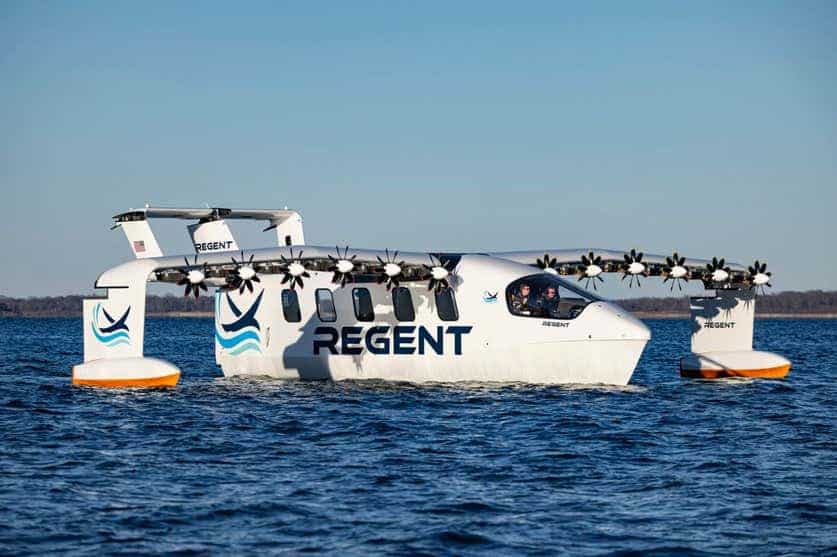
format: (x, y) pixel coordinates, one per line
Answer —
(547, 296)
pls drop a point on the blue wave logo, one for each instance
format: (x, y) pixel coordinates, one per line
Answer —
(115, 333)
(488, 297)
(243, 334)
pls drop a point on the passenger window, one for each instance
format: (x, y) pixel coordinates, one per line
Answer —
(403, 304)
(290, 306)
(325, 305)
(446, 305)
(362, 301)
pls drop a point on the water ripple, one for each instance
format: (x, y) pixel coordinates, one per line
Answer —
(664, 466)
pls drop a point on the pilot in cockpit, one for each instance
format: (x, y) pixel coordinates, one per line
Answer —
(521, 301)
(548, 303)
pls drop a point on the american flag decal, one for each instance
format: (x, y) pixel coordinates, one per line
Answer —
(139, 246)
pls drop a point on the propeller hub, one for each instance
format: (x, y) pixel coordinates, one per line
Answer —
(392, 270)
(296, 269)
(593, 271)
(195, 277)
(719, 275)
(345, 266)
(246, 272)
(678, 271)
(761, 279)
(439, 273)
(636, 268)
(551, 270)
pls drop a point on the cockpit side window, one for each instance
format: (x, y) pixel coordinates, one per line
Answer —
(546, 296)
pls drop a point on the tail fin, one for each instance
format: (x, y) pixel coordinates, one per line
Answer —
(288, 228)
(212, 236)
(141, 238)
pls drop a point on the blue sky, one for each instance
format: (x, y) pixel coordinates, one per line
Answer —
(709, 128)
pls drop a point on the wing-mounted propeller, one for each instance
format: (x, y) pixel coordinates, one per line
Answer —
(342, 266)
(547, 264)
(634, 267)
(391, 270)
(194, 277)
(716, 271)
(293, 270)
(758, 276)
(244, 275)
(676, 271)
(439, 273)
(590, 269)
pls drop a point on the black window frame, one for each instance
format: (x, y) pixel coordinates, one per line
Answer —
(317, 303)
(285, 307)
(395, 305)
(449, 292)
(363, 318)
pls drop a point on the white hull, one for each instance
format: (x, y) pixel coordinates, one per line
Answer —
(609, 362)
(485, 344)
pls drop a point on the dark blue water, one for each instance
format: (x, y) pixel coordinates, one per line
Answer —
(665, 466)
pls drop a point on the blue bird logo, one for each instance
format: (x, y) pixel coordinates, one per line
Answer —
(244, 333)
(116, 332)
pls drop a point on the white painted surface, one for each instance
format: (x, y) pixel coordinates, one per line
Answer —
(141, 239)
(735, 360)
(124, 369)
(212, 237)
(723, 322)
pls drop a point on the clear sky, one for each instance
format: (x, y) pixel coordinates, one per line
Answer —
(710, 128)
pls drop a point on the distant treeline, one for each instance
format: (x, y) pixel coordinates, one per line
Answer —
(70, 306)
(812, 302)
